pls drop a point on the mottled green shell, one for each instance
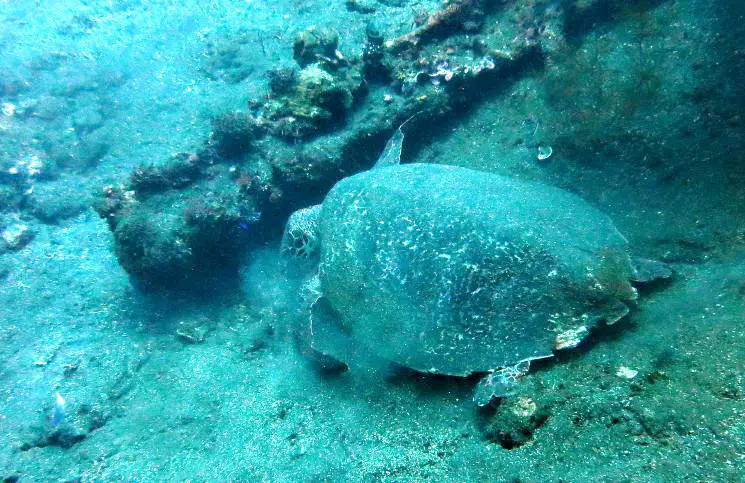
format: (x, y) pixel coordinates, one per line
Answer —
(449, 270)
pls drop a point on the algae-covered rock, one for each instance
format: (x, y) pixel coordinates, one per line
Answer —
(234, 132)
(313, 100)
(151, 246)
(315, 44)
(172, 237)
(180, 172)
(282, 80)
(515, 421)
(302, 105)
(173, 244)
(14, 234)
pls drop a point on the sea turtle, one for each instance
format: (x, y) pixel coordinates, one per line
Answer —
(453, 271)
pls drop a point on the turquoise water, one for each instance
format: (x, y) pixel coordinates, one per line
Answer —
(153, 328)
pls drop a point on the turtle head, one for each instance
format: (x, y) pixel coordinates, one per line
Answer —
(301, 242)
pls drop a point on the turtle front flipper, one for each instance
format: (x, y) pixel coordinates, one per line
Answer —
(327, 335)
(646, 271)
(391, 155)
(328, 338)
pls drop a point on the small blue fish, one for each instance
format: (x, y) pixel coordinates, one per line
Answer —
(246, 222)
(58, 413)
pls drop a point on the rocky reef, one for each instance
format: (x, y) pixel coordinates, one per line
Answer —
(321, 120)
(330, 114)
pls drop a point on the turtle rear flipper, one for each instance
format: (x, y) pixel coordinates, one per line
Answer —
(500, 383)
(646, 271)
(503, 382)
